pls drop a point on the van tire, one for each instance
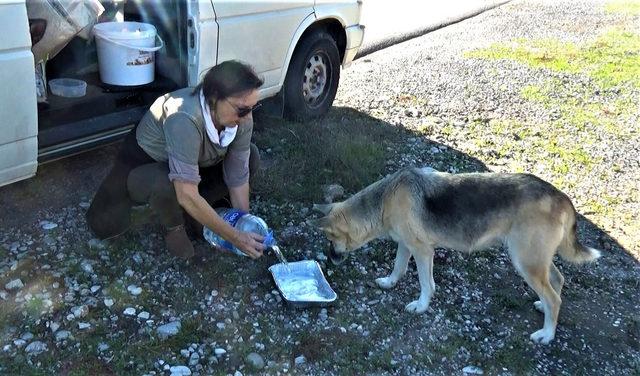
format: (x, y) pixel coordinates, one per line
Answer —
(312, 79)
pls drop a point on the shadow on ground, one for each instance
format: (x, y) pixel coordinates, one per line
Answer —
(598, 317)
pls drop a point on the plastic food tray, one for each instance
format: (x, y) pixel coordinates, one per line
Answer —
(304, 285)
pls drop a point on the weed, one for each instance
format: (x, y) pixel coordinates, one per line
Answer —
(347, 152)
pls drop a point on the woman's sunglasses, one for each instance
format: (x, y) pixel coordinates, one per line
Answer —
(243, 111)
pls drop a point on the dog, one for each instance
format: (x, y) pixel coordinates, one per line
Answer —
(422, 209)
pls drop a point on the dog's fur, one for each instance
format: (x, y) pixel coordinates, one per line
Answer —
(422, 210)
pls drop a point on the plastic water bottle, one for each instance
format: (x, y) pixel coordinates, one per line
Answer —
(240, 221)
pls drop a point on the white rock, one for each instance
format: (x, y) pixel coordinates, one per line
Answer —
(15, 284)
(4, 295)
(19, 343)
(103, 347)
(130, 311)
(62, 335)
(144, 315)
(194, 359)
(129, 273)
(185, 353)
(220, 351)
(472, 370)
(168, 330)
(84, 325)
(54, 326)
(180, 371)
(87, 267)
(300, 360)
(255, 360)
(95, 289)
(134, 290)
(237, 373)
(36, 347)
(55, 285)
(108, 302)
(46, 225)
(80, 311)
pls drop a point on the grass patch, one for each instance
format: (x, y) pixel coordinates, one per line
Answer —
(514, 356)
(612, 60)
(564, 150)
(629, 7)
(347, 351)
(343, 148)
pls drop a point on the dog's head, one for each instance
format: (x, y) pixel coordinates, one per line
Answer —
(340, 228)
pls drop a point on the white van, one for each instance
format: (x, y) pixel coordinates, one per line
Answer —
(297, 46)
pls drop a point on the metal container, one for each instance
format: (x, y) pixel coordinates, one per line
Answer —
(303, 284)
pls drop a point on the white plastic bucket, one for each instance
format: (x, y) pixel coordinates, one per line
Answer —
(126, 52)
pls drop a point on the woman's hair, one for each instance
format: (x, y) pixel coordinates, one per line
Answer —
(228, 79)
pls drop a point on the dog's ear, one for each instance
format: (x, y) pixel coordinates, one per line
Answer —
(321, 223)
(324, 209)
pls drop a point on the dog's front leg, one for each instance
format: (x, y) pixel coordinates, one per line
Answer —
(399, 268)
(424, 263)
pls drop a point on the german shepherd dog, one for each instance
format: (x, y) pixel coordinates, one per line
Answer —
(422, 209)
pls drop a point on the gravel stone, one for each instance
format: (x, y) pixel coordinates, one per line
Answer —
(167, 330)
(35, 348)
(15, 284)
(255, 360)
(180, 371)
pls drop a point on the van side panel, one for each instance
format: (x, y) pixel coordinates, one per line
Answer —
(18, 113)
(254, 32)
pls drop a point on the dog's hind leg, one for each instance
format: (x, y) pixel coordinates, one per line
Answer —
(534, 266)
(399, 268)
(424, 264)
(557, 281)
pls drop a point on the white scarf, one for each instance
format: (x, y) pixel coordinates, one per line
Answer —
(228, 133)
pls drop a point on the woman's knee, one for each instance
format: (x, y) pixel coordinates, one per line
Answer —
(150, 180)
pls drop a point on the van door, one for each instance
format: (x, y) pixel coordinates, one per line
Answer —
(259, 33)
(18, 108)
(202, 39)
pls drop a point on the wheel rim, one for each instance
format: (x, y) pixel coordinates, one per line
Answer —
(316, 77)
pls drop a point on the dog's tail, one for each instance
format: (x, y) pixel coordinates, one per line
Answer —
(570, 248)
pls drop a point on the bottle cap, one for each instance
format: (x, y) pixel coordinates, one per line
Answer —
(269, 240)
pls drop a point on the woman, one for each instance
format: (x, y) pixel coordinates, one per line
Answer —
(192, 148)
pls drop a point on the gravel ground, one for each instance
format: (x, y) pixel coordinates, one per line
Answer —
(70, 304)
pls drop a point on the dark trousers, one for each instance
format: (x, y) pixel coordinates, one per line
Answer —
(137, 178)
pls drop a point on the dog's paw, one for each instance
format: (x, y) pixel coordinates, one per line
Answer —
(539, 306)
(543, 336)
(416, 307)
(385, 282)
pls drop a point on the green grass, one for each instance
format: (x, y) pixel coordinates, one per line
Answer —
(565, 146)
(611, 60)
(342, 148)
(630, 7)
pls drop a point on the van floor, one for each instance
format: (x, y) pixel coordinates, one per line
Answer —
(103, 108)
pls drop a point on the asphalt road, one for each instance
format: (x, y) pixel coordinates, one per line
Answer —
(388, 23)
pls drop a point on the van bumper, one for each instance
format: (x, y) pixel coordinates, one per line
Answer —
(355, 35)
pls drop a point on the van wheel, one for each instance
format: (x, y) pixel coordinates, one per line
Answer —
(312, 78)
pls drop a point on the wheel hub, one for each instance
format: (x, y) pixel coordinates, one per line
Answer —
(315, 78)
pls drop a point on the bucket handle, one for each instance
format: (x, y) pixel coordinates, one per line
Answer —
(145, 49)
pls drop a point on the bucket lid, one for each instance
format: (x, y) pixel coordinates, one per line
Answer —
(125, 30)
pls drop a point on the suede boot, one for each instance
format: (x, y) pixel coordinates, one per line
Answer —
(178, 242)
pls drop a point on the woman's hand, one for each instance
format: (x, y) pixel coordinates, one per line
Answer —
(250, 243)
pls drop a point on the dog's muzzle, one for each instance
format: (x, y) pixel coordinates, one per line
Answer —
(336, 258)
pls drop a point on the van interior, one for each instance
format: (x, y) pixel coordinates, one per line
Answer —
(106, 112)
